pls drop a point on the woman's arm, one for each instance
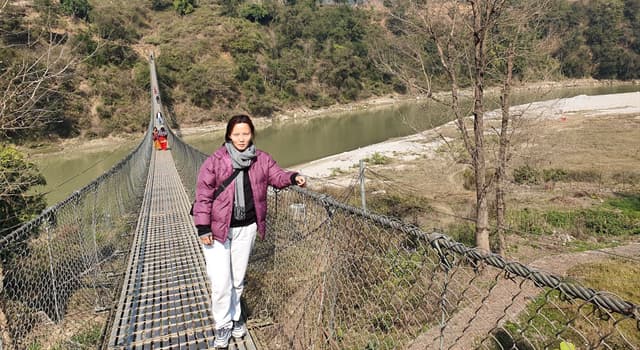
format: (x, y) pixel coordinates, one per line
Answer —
(205, 187)
(279, 178)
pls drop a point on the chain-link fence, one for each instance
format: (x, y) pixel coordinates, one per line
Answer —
(187, 160)
(60, 272)
(330, 276)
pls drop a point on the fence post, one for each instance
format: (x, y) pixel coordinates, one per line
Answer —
(53, 275)
(362, 193)
(446, 265)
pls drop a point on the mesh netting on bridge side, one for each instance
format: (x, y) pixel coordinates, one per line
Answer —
(60, 272)
(187, 160)
(331, 276)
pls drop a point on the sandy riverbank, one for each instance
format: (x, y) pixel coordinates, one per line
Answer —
(427, 143)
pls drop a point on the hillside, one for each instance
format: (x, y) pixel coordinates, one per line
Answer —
(216, 58)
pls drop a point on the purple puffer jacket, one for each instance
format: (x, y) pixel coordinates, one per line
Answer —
(263, 172)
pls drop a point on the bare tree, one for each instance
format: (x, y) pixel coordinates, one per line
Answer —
(462, 44)
(516, 26)
(30, 81)
(35, 62)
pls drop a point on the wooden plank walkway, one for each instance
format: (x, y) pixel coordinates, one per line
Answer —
(165, 302)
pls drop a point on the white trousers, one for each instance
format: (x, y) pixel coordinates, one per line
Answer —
(226, 266)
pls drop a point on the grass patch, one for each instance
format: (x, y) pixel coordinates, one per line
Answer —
(615, 275)
(528, 175)
(463, 233)
(89, 336)
(336, 172)
(618, 216)
(627, 177)
(550, 320)
(400, 206)
(583, 246)
(377, 159)
(629, 204)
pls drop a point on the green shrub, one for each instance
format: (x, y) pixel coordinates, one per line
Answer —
(254, 84)
(115, 54)
(159, 5)
(554, 175)
(552, 313)
(560, 219)
(526, 175)
(18, 203)
(184, 7)
(256, 13)
(463, 233)
(627, 203)
(197, 86)
(247, 42)
(468, 179)
(606, 222)
(377, 159)
(558, 175)
(111, 25)
(260, 105)
(83, 43)
(77, 8)
(229, 7)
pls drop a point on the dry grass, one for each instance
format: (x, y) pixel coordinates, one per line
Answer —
(603, 145)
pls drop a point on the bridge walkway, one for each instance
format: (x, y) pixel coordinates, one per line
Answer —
(165, 303)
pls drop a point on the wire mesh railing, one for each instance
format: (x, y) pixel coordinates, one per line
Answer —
(60, 271)
(332, 276)
(187, 160)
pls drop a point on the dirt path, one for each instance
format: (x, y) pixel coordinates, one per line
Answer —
(508, 299)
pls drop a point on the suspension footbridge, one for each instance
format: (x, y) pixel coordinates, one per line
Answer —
(117, 265)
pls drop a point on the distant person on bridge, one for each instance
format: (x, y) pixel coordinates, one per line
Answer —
(156, 138)
(159, 119)
(162, 138)
(227, 219)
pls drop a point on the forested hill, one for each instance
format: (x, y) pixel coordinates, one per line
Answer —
(78, 67)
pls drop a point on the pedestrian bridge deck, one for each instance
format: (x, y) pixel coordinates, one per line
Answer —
(164, 303)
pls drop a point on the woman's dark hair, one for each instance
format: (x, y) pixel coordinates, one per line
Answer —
(238, 119)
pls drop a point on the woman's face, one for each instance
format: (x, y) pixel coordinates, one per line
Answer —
(241, 136)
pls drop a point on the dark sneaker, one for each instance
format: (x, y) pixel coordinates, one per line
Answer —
(239, 329)
(222, 337)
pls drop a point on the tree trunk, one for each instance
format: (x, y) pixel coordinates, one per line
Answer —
(505, 105)
(479, 163)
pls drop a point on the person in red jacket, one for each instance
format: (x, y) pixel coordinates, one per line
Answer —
(227, 224)
(162, 138)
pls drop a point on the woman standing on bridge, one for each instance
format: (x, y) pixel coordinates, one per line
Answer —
(228, 219)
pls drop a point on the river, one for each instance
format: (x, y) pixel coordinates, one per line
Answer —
(293, 142)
